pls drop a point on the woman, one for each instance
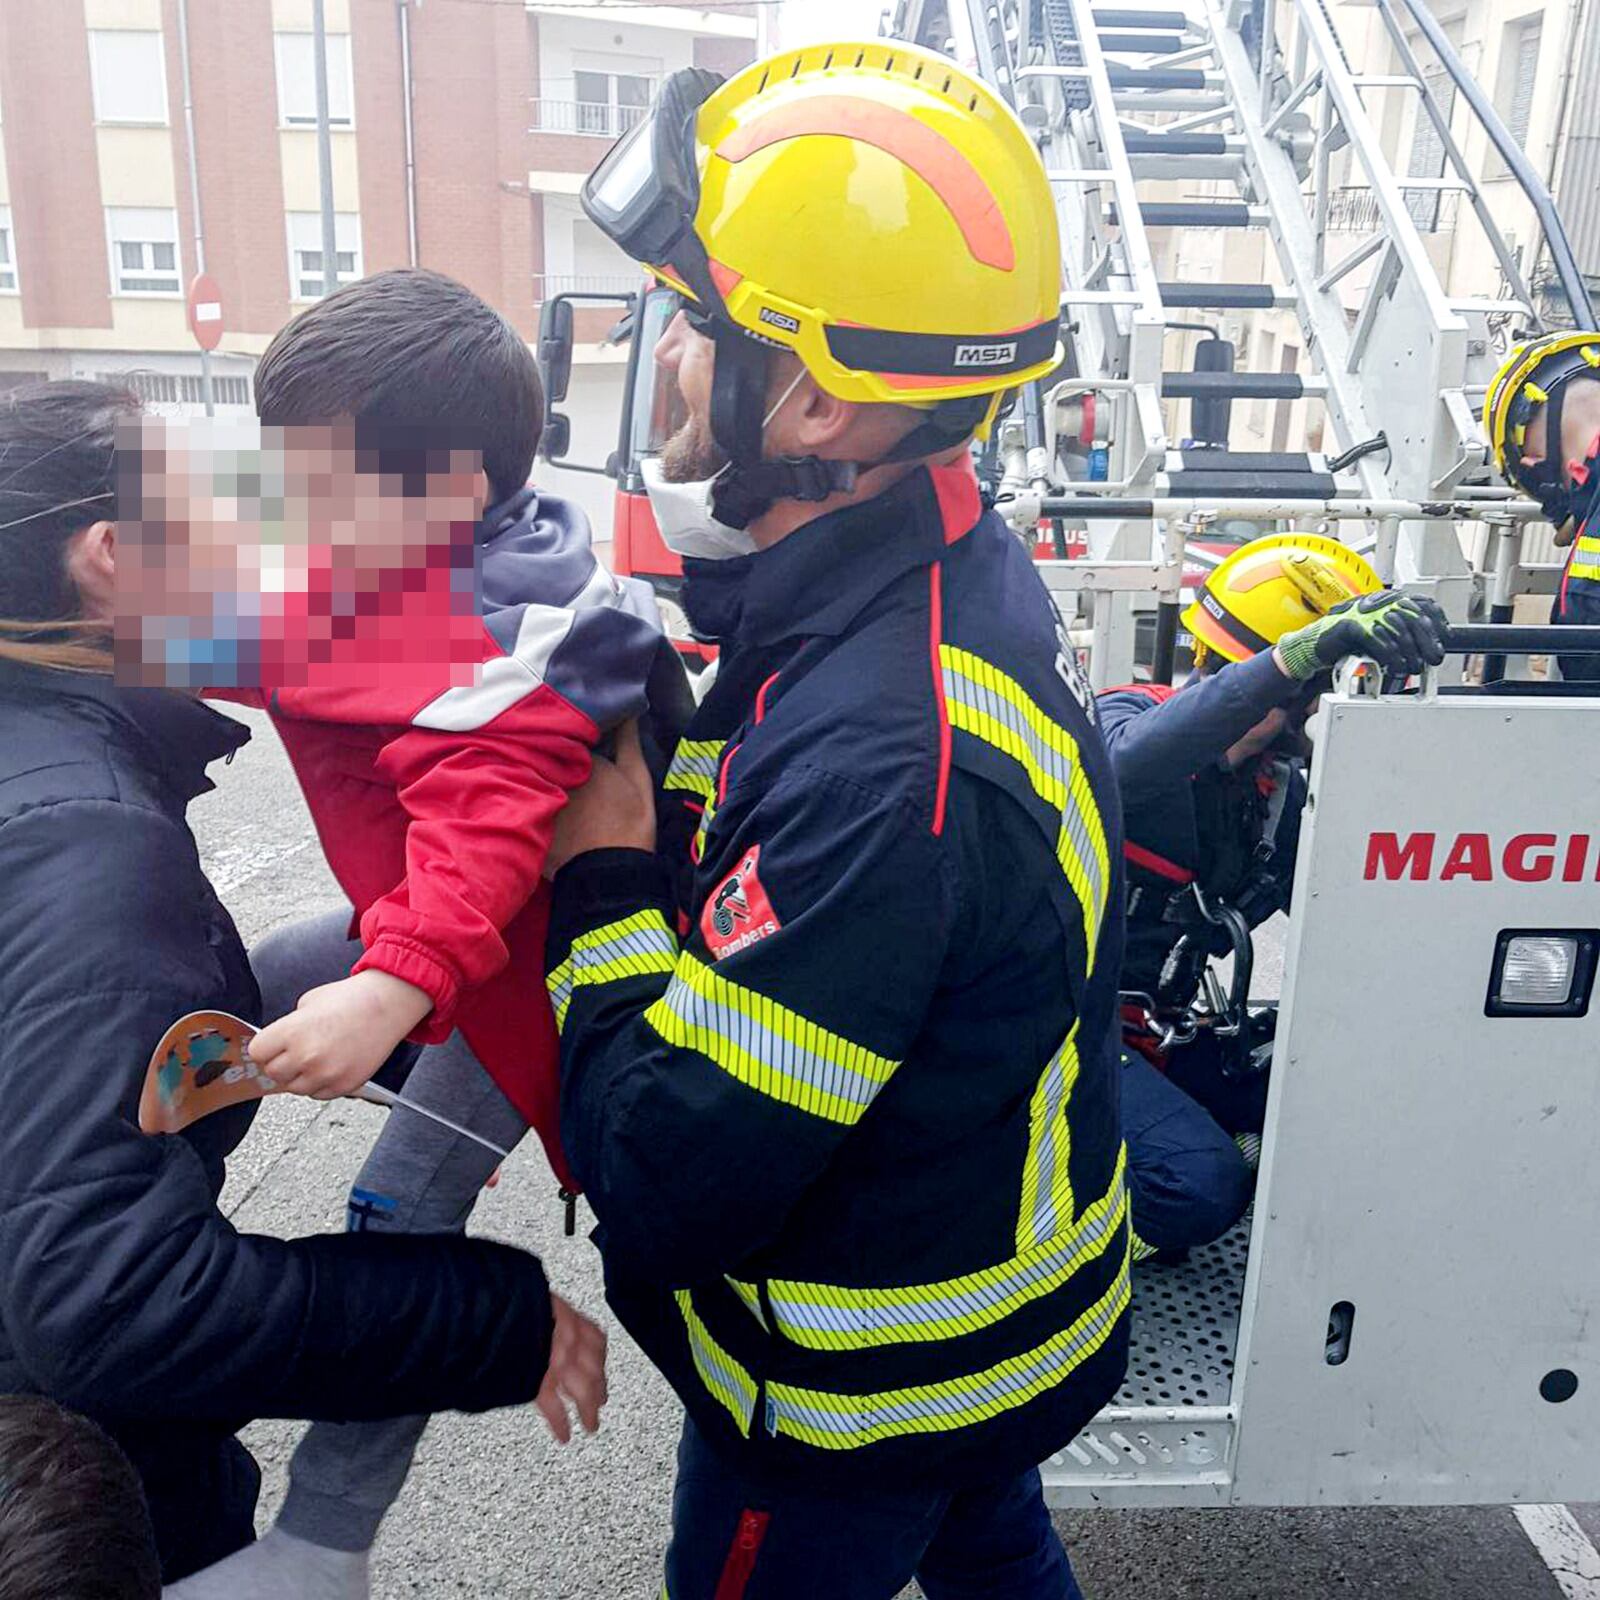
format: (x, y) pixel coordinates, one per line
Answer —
(124, 1292)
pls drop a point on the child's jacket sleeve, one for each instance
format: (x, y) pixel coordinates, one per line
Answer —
(482, 771)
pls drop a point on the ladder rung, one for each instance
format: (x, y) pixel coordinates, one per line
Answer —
(1238, 385)
(1166, 21)
(1279, 461)
(1264, 485)
(1225, 296)
(1142, 44)
(1181, 144)
(1158, 77)
(1196, 214)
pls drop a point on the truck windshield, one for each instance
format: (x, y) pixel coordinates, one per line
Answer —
(658, 410)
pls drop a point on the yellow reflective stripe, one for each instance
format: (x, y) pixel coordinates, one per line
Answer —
(706, 820)
(1141, 1250)
(1046, 1172)
(694, 766)
(849, 1421)
(751, 1296)
(821, 1316)
(719, 1372)
(983, 701)
(1585, 569)
(767, 1047)
(635, 947)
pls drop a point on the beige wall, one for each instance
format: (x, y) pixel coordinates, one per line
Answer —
(136, 167)
(302, 188)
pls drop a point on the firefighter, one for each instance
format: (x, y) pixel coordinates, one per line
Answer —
(839, 1058)
(1213, 779)
(1541, 416)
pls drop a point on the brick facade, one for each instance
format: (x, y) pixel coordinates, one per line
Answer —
(53, 165)
(241, 171)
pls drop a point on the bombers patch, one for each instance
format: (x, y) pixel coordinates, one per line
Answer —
(737, 913)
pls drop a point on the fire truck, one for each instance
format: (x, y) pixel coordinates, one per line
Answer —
(1406, 1315)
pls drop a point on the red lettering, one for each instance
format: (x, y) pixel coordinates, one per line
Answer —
(1413, 859)
(1577, 852)
(1469, 858)
(1519, 868)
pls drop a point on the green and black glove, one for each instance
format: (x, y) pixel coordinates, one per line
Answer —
(1403, 633)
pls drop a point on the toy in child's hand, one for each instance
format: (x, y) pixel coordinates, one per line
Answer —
(203, 1064)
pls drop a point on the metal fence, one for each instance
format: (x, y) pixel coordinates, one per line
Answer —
(598, 119)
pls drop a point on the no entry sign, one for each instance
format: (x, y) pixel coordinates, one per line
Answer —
(205, 311)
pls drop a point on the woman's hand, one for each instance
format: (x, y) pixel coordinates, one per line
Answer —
(614, 810)
(340, 1034)
(576, 1375)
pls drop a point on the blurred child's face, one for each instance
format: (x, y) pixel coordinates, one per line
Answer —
(257, 557)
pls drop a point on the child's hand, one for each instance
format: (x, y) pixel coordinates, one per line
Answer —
(340, 1034)
(577, 1372)
(615, 809)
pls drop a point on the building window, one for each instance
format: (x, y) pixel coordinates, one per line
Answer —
(610, 103)
(8, 254)
(306, 275)
(129, 72)
(1519, 69)
(144, 251)
(297, 81)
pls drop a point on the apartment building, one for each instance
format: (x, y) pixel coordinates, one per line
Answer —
(461, 131)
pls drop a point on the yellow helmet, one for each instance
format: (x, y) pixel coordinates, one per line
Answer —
(870, 207)
(1533, 375)
(885, 215)
(1270, 587)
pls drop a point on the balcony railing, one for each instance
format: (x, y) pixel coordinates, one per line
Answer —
(1354, 210)
(548, 284)
(594, 118)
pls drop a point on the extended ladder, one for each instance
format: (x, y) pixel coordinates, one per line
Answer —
(1241, 135)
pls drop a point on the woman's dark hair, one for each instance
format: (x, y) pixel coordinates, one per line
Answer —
(418, 353)
(73, 1520)
(58, 446)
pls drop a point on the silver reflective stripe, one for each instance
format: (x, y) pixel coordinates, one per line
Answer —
(766, 1046)
(831, 1318)
(848, 1421)
(695, 765)
(635, 947)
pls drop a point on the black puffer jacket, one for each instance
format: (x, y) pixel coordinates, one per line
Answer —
(124, 1292)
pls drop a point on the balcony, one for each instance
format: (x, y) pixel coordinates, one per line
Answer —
(1355, 209)
(594, 119)
(546, 285)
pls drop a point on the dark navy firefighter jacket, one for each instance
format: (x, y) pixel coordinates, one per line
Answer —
(839, 1062)
(1578, 599)
(1186, 819)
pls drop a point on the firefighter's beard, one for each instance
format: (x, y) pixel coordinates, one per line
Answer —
(692, 454)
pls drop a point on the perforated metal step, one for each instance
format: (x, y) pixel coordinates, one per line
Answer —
(1170, 1427)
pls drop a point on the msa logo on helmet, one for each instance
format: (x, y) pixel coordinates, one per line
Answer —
(776, 319)
(1523, 858)
(738, 913)
(986, 355)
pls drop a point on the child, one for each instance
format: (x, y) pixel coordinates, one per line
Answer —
(434, 810)
(73, 1521)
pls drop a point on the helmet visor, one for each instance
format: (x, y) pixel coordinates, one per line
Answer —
(644, 195)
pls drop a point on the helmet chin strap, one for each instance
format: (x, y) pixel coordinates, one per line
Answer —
(752, 483)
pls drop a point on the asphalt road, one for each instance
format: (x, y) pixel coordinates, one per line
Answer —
(493, 1508)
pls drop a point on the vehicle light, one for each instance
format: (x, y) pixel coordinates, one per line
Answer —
(1542, 973)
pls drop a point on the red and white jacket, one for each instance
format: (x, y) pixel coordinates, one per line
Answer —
(435, 809)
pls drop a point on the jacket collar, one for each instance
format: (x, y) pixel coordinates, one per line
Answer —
(820, 578)
(179, 736)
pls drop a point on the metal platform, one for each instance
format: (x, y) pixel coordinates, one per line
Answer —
(1172, 1421)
